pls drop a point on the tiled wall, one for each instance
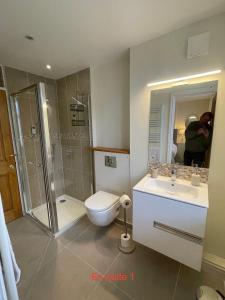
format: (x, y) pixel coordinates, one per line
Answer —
(183, 172)
(72, 154)
(17, 80)
(75, 140)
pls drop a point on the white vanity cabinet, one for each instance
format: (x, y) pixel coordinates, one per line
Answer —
(173, 228)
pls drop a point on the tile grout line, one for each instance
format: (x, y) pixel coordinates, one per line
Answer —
(84, 261)
(108, 269)
(92, 267)
(41, 259)
(176, 283)
(124, 292)
(79, 235)
(92, 290)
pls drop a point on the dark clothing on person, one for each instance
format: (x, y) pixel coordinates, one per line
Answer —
(196, 143)
(195, 158)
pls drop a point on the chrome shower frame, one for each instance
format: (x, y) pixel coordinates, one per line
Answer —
(46, 154)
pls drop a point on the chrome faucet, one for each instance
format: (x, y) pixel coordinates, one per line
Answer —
(173, 174)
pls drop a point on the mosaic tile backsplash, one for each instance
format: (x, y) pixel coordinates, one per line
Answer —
(183, 172)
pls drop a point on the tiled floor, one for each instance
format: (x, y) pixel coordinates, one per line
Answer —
(61, 269)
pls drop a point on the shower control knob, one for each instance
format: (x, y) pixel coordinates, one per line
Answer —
(12, 167)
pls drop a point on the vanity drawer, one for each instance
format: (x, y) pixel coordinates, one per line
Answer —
(173, 228)
(186, 217)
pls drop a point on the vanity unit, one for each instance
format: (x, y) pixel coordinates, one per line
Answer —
(170, 217)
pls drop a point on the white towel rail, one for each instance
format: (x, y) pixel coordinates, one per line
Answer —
(9, 277)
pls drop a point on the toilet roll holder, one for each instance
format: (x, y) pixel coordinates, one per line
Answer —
(126, 244)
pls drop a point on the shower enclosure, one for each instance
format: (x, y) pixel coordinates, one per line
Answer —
(35, 151)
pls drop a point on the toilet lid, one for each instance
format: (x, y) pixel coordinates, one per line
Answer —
(101, 201)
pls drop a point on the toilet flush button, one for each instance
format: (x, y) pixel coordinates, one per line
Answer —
(110, 161)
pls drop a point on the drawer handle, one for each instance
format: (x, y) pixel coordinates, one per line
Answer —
(178, 232)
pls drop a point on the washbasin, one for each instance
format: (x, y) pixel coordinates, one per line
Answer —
(180, 190)
(171, 187)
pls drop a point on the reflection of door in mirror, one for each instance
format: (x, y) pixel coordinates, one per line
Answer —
(185, 134)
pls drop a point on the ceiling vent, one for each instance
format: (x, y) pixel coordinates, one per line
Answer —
(198, 45)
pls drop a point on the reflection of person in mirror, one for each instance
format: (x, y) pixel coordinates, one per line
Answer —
(198, 139)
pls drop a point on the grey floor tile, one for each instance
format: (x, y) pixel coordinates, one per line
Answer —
(29, 246)
(52, 249)
(154, 274)
(189, 280)
(32, 247)
(74, 231)
(51, 271)
(108, 291)
(65, 277)
(24, 288)
(98, 246)
(23, 227)
(28, 272)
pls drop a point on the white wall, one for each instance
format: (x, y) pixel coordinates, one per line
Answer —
(110, 103)
(185, 109)
(165, 58)
(113, 180)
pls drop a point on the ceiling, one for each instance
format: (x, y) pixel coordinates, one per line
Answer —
(73, 34)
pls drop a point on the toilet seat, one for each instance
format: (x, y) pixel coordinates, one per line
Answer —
(101, 201)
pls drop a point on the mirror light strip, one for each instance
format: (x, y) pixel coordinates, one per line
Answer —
(185, 78)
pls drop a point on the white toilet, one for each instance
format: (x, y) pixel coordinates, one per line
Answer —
(102, 208)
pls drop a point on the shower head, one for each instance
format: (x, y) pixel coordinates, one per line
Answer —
(78, 102)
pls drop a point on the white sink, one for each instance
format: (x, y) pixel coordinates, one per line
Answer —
(180, 190)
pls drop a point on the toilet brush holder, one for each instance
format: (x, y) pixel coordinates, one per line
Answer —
(126, 244)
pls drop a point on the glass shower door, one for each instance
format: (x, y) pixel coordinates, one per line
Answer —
(29, 112)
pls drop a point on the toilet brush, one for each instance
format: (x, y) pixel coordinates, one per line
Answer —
(126, 244)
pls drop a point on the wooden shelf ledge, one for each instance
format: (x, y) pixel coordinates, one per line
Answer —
(112, 150)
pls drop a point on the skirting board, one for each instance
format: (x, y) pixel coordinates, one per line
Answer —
(213, 261)
(121, 222)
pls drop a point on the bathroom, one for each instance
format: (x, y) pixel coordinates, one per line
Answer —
(88, 131)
